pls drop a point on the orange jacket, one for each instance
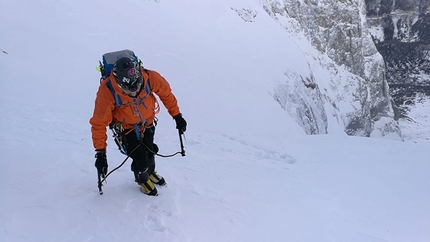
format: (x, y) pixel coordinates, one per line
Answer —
(140, 109)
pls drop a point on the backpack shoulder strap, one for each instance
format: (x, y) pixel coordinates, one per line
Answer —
(116, 97)
(148, 84)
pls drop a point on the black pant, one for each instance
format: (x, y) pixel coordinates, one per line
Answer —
(142, 157)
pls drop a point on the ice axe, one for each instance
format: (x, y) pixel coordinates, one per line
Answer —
(182, 143)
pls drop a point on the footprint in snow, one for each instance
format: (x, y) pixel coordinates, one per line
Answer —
(154, 223)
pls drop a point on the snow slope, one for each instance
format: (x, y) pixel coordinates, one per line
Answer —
(250, 173)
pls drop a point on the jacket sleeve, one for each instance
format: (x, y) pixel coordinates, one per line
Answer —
(102, 116)
(161, 87)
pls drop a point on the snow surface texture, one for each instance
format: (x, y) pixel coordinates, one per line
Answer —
(250, 173)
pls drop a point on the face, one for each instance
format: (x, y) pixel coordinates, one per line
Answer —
(131, 84)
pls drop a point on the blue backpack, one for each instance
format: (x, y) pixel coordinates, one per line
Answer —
(110, 58)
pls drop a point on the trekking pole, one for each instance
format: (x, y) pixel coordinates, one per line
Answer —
(99, 174)
(182, 143)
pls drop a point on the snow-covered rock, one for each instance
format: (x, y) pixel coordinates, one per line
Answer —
(401, 30)
(349, 80)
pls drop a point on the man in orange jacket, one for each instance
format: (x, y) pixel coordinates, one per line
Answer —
(125, 98)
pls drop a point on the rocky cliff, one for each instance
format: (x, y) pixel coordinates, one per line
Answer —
(338, 30)
(401, 31)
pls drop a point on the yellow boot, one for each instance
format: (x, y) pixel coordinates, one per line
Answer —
(157, 179)
(148, 188)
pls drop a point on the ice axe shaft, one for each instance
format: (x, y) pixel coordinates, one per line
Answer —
(100, 184)
(182, 143)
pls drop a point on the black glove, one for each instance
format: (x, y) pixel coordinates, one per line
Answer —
(101, 163)
(181, 124)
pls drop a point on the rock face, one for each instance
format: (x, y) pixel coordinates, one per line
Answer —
(401, 30)
(339, 31)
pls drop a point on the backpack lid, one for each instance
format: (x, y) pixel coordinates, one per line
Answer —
(110, 58)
